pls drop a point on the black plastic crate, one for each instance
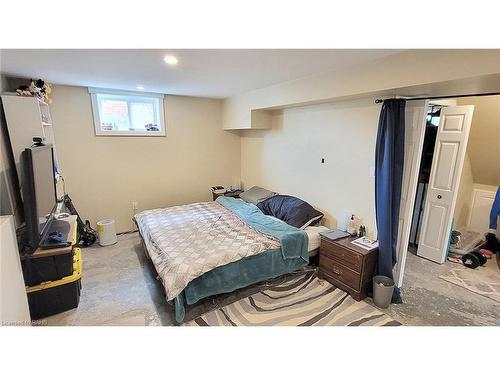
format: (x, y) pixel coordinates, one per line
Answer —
(55, 300)
(49, 268)
(54, 297)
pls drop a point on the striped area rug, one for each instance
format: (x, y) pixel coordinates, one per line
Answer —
(301, 301)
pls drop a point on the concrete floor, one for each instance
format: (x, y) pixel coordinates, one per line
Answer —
(119, 288)
(429, 300)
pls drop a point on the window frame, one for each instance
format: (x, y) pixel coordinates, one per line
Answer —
(94, 91)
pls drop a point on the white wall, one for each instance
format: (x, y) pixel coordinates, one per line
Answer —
(13, 299)
(407, 69)
(464, 197)
(104, 175)
(7, 203)
(482, 164)
(484, 139)
(287, 158)
(10, 197)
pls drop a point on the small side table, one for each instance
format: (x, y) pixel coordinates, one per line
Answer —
(234, 194)
(347, 266)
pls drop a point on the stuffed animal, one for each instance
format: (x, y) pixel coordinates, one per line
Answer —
(37, 88)
(48, 91)
(23, 90)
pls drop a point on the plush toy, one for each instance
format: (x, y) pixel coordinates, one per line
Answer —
(37, 88)
(23, 90)
(48, 90)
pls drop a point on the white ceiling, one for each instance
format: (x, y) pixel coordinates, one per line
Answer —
(209, 73)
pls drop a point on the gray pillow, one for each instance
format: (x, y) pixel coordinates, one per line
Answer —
(256, 194)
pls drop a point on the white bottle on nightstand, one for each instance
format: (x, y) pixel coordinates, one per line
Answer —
(352, 226)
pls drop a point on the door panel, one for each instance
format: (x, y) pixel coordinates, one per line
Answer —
(435, 216)
(447, 163)
(415, 118)
(453, 123)
(442, 175)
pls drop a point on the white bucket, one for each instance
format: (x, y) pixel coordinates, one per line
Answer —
(107, 232)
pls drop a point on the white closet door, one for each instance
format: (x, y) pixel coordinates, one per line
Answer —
(415, 119)
(447, 163)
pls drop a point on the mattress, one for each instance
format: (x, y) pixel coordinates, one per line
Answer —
(314, 238)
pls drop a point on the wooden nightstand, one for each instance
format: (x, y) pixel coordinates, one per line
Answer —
(234, 194)
(347, 266)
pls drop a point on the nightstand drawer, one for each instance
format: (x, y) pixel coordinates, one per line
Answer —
(343, 255)
(339, 272)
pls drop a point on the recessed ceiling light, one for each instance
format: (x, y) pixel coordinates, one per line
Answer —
(140, 88)
(170, 60)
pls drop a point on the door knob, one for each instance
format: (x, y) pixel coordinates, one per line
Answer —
(440, 196)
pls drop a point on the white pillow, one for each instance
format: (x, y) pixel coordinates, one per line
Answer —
(311, 221)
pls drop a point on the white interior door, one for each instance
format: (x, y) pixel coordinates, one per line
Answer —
(415, 119)
(447, 163)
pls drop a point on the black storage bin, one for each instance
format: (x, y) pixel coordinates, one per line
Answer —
(55, 300)
(47, 268)
(54, 297)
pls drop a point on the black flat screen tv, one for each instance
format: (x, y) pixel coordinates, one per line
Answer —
(39, 195)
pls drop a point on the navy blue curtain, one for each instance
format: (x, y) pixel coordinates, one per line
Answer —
(389, 160)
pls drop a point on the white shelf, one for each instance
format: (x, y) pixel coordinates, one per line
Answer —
(26, 117)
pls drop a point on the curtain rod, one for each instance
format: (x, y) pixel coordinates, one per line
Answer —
(378, 101)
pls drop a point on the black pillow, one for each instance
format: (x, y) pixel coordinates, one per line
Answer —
(291, 210)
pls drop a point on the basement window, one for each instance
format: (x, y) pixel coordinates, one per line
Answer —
(127, 113)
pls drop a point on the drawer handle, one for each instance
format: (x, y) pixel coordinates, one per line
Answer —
(337, 271)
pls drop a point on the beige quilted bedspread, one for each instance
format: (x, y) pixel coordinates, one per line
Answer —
(187, 241)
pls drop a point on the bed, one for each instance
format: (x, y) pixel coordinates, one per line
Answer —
(208, 248)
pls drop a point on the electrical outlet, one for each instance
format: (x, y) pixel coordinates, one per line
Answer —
(135, 205)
